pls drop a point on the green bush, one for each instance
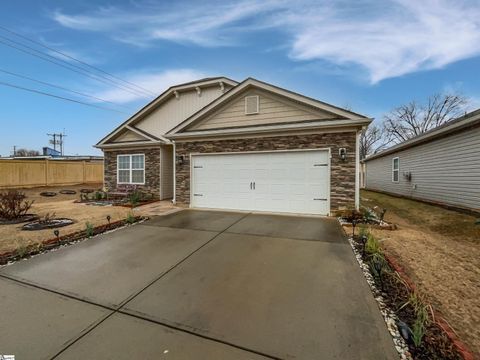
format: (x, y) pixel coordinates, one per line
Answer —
(89, 230)
(373, 245)
(135, 198)
(130, 218)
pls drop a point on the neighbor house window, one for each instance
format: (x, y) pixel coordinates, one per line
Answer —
(131, 169)
(395, 169)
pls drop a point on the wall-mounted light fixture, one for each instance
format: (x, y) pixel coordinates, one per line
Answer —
(342, 153)
(179, 159)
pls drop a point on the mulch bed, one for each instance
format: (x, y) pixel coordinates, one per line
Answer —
(440, 341)
(59, 241)
(67, 192)
(48, 193)
(115, 203)
(50, 224)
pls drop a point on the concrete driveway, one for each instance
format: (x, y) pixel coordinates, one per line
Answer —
(196, 285)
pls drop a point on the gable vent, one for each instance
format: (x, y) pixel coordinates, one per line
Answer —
(252, 105)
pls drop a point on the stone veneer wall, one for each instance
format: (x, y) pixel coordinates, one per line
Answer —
(342, 179)
(152, 169)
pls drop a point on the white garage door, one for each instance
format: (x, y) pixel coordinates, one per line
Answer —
(281, 181)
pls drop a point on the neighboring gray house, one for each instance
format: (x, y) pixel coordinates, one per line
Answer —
(441, 166)
(216, 143)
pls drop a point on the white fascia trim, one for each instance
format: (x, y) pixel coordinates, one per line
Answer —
(129, 144)
(267, 87)
(131, 128)
(168, 93)
(266, 129)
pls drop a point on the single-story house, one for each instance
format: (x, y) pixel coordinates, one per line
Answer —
(441, 166)
(216, 143)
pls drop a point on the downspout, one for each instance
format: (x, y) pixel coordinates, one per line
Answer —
(357, 169)
(174, 200)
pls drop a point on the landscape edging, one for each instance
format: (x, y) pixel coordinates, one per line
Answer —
(459, 345)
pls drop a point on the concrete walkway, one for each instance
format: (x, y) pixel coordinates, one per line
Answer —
(196, 285)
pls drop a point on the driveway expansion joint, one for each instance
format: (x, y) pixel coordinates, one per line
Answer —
(122, 304)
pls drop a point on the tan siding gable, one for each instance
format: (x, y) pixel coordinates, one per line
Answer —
(173, 111)
(128, 135)
(274, 109)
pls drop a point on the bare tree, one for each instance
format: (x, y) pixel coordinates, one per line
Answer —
(372, 140)
(26, 152)
(413, 119)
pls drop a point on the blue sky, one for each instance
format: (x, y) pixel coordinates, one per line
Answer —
(368, 55)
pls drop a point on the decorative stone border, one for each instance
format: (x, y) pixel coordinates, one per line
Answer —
(391, 318)
(461, 348)
(388, 315)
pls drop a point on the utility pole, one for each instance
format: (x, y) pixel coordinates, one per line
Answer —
(58, 139)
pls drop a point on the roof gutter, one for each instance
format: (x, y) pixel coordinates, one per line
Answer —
(328, 124)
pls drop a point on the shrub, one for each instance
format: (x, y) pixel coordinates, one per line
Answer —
(372, 245)
(130, 218)
(89, 230)
(422, 318)
(99, 195)
(13, 204)
(135, 197)
(47, 218)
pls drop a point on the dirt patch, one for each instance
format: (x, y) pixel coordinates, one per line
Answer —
(63, 205)
(440, 250)
(66, 206)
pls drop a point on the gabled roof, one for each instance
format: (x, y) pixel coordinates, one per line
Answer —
(344, 114)
(158, 100)
(470, 119)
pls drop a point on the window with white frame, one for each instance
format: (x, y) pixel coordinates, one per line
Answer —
(131, 169)
(395, 169)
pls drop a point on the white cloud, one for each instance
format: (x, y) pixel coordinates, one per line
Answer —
(385, 38)
(154, 81)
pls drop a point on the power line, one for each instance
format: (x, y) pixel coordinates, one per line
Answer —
(70, 66)
(61, 88)
(75, 59)
(60, 97)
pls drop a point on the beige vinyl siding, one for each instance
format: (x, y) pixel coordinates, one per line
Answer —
(173, 111)
(273, 109)
(128, 136)
(166, 172)
(445, 170)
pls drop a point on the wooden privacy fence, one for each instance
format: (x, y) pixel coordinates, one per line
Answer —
(31, 173)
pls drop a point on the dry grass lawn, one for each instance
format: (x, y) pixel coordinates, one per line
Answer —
(440, 249)
(11, 237)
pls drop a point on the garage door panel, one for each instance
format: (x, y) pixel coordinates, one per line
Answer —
(277, 181)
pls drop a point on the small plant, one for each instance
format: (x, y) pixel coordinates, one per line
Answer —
(22, 251)
(135, 198)
(378, 266)
(419, 326)
(13, 205)
(98, 195)
(47, 218)
(422, 318)
(372, 246)
(109, 218)
(130, 218)
(89, 230)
